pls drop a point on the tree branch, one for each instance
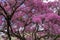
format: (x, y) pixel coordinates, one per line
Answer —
(16, 9)
(3, 10)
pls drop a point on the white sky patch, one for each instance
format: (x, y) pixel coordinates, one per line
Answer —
(23, 5)
(40, 28)
(5, 30)
(14, 25)
(33, 26)
(2, 0)
(46, 1)
(1, 34)
(21, 28)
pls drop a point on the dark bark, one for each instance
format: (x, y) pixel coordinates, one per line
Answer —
(16, 8)
(8, 22)
(58, 36)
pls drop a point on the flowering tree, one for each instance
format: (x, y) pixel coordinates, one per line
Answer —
(30, 20)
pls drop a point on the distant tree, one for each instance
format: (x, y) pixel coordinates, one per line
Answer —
(30, 19)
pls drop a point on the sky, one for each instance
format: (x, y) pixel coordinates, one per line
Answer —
(49, 1)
